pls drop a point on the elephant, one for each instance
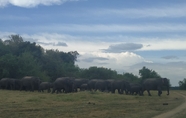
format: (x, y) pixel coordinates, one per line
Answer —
(155, 84)
(135, 88)
(103, 85)
(77, 83)
(63, 83)
(120, 85)
(30, 83)
(91, 84)
(45, 86)
(10, 83)
(83, 87)
(5, 83)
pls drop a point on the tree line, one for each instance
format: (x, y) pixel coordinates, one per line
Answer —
(19, 58)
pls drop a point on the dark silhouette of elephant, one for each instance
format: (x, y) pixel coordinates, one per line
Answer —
(5, 83)
(155, 84)
(63, 83)
(45, 86)
(91, 84)
(77, 84)
(30, 83)
(103, 85)
(83, 87)
(10, 83)
(135, 89)
(120, 86)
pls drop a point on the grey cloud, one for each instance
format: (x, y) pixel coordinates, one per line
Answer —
(91, 59)
(58, 44)
(170, 57)
(117, 48)
(148, 45)
(43, 43)
(61, 44)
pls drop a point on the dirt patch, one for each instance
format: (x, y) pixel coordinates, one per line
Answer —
(175, 111)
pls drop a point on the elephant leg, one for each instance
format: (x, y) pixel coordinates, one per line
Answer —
(121, 91)
(49, 90)
(113, 90)
(149, 92)
(159, 91)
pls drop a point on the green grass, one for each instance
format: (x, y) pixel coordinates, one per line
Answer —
(21, 104)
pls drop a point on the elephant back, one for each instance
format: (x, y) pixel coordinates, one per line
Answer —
(30, 82)
(64, 83)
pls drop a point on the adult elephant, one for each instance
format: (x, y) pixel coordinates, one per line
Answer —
(103, 85)
(135, 88)
(91, 84)
(9, 83)
(5, 83)
(83, 87)
(30, 83)
(77, 84)
(155, 84)
(63, 83)
(45, 86)
(120, 85)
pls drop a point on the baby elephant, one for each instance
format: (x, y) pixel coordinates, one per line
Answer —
(45, 86)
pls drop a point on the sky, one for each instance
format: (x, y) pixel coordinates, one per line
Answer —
(123, 35)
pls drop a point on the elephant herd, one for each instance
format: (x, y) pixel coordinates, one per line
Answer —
(71, 84)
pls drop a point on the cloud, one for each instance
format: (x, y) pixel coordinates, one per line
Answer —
(123, 47)
(110, 28)
(170, 57)
(32, 3)
(86, 43)
(61, 44)
(53, 44)
(172, 11)
(44, 43)
(111, 60)
(91, 59)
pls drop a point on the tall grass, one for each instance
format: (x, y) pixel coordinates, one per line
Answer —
(21, 104)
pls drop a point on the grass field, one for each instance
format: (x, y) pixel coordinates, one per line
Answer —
(21, 104)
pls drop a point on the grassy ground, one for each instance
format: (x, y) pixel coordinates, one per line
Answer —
(183, 113)
(16, 104)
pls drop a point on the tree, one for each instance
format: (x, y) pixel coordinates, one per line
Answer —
(182, 84)
(131, 77)
(98, 73)
(147, 73)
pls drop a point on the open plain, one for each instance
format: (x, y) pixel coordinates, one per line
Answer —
(22, 104)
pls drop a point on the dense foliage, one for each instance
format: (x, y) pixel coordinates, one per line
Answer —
(19, 58)
(182, 84)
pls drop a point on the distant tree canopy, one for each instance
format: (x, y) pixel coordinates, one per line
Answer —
(20, 58)
(182, 84)
(147, 73)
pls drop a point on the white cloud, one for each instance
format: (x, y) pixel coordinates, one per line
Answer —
(173, 11)
(32, 3)
(111, 28)
(83, 43)
(115, 61)
(164, 44)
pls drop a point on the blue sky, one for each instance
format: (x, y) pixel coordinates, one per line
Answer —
(123, 35)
